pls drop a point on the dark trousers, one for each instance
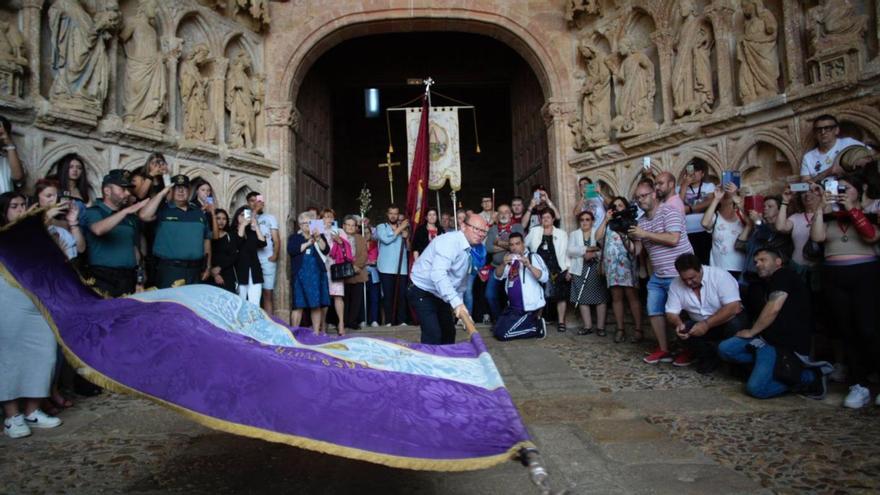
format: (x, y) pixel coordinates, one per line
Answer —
(435, 316)
(705, 347)
(387, 281)
(116, 282)
(170, 271)
(354, 300)
(516, 324)
(851, 294)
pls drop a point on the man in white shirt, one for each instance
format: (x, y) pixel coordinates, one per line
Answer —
(268, 255)
(696, 193)
(11, 169)
(818, 163)
(710, 297)
(439, 280)
(523, 275)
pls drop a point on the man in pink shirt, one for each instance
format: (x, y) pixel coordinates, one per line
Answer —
(665, 187)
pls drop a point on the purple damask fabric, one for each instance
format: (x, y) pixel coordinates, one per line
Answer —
(429, 417)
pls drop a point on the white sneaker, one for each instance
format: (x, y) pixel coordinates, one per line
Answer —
(331, 327)
(374, 324)
(388, 324)
(839, 373)
(857, 398)
(39, 419)
(15, 427)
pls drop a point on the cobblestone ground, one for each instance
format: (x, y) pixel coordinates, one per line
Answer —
(604, 421)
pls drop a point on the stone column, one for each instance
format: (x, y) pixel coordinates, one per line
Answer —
(663, 40)
(556, 113)
(111, 104)
(218, 97)
(721, 15)
(171, 48)
(31, 25)
(794, 53)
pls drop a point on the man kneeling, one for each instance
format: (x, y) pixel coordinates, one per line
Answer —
(710, 297)
(778, 343)
(523, 275)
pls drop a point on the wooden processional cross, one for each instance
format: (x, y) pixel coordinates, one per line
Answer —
(388, 164)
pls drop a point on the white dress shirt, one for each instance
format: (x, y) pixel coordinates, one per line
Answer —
(532, 290)
(442, 268)
(718, 289)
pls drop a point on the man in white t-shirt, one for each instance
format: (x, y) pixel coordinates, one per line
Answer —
(818, 164)
(11, 169)
(696, 193)
(269, 254)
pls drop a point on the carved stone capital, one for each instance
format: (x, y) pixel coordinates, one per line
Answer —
(172, 48)
(720, 14)
(664, 40)
(278, 114)
(221, 66)
(556, 110)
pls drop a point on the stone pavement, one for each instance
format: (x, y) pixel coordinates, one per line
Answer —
(605, 423)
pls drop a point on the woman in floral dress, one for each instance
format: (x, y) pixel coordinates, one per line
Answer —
(621, 274)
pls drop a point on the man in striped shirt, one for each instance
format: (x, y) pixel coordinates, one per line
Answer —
(661, 231)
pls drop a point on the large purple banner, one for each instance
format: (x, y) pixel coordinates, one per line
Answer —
(224, 363)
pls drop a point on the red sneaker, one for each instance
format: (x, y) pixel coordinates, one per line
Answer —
(658, 356)
(684, 358)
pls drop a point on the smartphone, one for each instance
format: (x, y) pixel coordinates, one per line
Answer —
(831, 186)
(316, 226)
(689, 169)
(166, 179)
(646, 163)
(731, 176)
(537, 196)
(800, 187)
(247, 214)
(209, 200)
(335, 223)
(755, 203)
(590, 192)
(514, 257)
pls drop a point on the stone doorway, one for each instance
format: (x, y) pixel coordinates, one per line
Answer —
(337, 148)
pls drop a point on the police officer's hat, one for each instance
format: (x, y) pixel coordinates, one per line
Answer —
(118, 176)
(180, 180)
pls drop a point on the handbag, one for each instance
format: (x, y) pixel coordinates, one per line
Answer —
(787, 368)
(342, 271)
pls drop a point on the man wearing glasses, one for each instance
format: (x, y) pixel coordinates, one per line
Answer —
(818, 164)
(439, 280)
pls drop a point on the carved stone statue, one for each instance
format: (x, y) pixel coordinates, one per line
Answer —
(692, 92)
(756, 53)
(145, 90)
(198, 123)
(575, 7)
(243, 102)
(79, 55)
(833, 23)
(595, 120)
(13, 61)
(258, 9)
(635, 90)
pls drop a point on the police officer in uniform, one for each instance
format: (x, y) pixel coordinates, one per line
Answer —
(182, 246)
(112, 231)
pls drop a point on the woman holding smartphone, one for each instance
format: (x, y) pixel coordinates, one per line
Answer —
(249, 239)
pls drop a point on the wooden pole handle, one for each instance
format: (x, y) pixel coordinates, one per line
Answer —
(468, 324)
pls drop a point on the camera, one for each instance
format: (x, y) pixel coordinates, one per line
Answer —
(622, 221)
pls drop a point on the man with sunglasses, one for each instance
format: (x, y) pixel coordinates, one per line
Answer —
(439, 280)
(818, 164)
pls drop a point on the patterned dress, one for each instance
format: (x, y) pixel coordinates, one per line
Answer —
(588, 288)
(620, 266)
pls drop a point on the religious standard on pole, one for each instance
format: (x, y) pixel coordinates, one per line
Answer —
(388, 164)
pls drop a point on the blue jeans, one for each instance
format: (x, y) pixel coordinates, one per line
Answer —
(469, 292)
(492, 289)
(658, 292)
(374, 296)
(761, 384)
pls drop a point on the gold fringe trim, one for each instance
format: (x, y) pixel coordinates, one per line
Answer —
(470, 464)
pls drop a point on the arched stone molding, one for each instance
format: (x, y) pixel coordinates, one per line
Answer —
(195, 19)
(233, 39)
(239, 186)
(95, 164)
(132, 162)
(774, 138)
(711, 156)
(864, 117)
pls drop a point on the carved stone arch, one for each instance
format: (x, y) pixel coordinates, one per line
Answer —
(94, 163)
(711, 156)
(863, 117)
(195, 18)
(603, 176)
(133, 162)
(237, 190)
(775, 139)
(232, 39)
(632, 18)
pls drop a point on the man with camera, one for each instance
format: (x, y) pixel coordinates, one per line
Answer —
(661, 231)
(710, 297)
(778, 343)
(183, 237)
(522, 275)
(540, 201)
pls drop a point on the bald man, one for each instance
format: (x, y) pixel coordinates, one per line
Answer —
(665, 187)
(439, 279)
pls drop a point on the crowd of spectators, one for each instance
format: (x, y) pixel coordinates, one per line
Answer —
(764, 282)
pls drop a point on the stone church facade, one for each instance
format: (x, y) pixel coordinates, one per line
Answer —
(213, 84)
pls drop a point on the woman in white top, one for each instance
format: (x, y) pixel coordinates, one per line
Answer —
(61, 219)
(587, 287)
(798, 225)
(550, 244)
(723, 219)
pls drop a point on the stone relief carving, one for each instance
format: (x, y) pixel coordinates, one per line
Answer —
(692, 91)
(635, 90)
(13, 60)
(145, 87)
(198, 120)
(833, 23)
(258, 9)
(244, 95)
(573, 8)
(756, 53)
(79, 55)
(592, 129)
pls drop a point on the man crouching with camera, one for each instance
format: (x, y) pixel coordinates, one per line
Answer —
(523, 275)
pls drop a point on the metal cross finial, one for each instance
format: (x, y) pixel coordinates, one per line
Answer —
(428, 83)
(388, 164)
